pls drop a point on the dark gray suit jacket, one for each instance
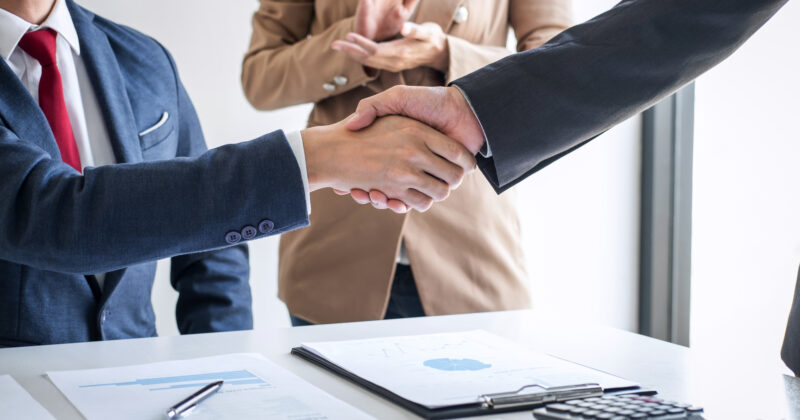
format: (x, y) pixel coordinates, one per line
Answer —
(790, 353)
(539, 105)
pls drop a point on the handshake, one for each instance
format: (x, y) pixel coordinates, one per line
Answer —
(402, 149)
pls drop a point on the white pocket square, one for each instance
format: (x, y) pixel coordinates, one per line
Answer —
(162, 121)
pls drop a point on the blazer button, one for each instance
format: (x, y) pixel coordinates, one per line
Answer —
(233, 237)
(266, 226)
(329, 87)
(340, 80)
(462, 14)
(249, 232)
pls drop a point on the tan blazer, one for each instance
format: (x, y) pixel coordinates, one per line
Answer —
(464, 252)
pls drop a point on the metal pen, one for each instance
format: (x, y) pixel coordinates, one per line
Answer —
(191, 401)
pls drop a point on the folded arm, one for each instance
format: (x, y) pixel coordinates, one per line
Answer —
(285, 66)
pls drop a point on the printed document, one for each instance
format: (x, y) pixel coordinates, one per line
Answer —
(16, 403)
(439, 370)
(254, 388)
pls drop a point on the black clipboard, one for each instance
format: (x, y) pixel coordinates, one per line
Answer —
(496, 403)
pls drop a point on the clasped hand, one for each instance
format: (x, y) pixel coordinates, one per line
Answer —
(404, 159)
(442, 109)
(421, 45)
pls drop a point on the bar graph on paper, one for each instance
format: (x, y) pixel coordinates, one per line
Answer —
(253, 387)
(233, 378)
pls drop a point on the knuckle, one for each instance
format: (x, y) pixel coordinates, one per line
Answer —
(458, 175)
(406, 153)
(442, 192)
(401, 174)
(396, 90)
(426, 204)
(453, 149)
(411, 129)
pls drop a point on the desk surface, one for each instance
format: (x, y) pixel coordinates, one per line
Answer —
(747, 391)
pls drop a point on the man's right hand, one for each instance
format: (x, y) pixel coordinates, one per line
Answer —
(380, 20)
(405, 159)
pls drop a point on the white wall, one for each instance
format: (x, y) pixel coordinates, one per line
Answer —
(746, 227)
(579, 216)
(580, 223)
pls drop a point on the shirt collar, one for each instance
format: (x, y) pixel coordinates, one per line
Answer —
(13, 27)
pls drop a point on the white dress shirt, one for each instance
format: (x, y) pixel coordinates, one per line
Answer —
(83, 109)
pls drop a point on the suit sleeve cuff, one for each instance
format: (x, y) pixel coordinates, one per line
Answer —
(296, 143)
(486, 150)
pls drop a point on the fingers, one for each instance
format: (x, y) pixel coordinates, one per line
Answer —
(452, 151)
(431, 185)
(360, 196)
(423, 32)
(381, 201)
(340, 192)
(397, 206)
(378, 199)
(370, 46)
(417, 200)
(354, 51)
(445, 159)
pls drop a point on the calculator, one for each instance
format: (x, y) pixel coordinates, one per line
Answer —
(618, 407)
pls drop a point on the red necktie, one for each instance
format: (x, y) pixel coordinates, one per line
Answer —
(41, 45)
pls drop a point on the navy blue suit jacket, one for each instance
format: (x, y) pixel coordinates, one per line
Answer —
(539, 105)
(168, 197)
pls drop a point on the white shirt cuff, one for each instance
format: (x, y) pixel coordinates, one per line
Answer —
(486, 150)
(296, 143)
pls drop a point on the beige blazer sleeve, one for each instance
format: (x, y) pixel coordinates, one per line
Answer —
(275, 72)
(534, 23)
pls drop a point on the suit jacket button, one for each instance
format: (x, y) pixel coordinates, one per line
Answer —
(329, 87)
(462, 14)
(233, 237)
(340, 80)
(266, 226)
(249, 232)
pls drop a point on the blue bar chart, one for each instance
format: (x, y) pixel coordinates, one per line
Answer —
(231, 378)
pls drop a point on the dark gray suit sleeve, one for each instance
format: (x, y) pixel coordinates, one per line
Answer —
(790, 351)
(539, 105)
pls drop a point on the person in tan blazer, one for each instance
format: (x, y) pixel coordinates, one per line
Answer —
(354, 262)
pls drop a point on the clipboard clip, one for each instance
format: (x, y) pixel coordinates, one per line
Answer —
(530, 395)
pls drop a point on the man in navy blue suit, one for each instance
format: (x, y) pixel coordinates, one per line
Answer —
(104, 170)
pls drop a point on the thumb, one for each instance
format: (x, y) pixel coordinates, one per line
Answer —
(362, 118)
(384, 103)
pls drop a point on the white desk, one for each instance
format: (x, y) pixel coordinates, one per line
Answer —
(675, 371)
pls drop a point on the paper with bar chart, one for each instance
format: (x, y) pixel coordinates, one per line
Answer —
(254, 388)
